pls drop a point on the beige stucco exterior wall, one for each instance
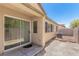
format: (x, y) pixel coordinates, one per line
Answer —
(1, 33)
(5, 11)
(36, 38)
(49, 35)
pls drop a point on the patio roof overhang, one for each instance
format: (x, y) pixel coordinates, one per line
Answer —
(26, 8)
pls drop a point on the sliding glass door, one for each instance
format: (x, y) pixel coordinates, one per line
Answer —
(17, 32)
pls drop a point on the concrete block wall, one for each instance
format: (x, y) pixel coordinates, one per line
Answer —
(76, 35)
(72, 38)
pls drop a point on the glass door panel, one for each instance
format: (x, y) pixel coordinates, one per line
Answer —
(12, 32)
(17, 32)
(25, 32)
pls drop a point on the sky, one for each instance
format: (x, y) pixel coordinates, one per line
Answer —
(62, 13)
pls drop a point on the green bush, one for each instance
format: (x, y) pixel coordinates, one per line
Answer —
(74, 23)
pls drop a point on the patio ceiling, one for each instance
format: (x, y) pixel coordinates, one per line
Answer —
(26, 9)
(36, 7)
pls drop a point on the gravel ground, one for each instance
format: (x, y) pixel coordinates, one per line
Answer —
(59, 48)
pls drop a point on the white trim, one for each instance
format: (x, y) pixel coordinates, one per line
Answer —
(16, 47)
(30, 31)
(16, 17)
(20, 44)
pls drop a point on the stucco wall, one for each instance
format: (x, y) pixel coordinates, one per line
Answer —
(1, 33)
(37, 38)
(6, 11)
(76, 34)
(49, 35)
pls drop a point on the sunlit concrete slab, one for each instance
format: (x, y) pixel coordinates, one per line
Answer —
(59, 48)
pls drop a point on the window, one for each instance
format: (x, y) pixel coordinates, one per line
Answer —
(35, 27)
(51, 27)
(46, 25)
(56, 28)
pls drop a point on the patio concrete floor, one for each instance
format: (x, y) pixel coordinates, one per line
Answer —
(59, 48)
(24, 51)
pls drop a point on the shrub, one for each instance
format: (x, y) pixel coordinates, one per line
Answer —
(74, 23)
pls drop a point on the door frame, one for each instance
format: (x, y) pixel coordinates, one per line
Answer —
(29, 33)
